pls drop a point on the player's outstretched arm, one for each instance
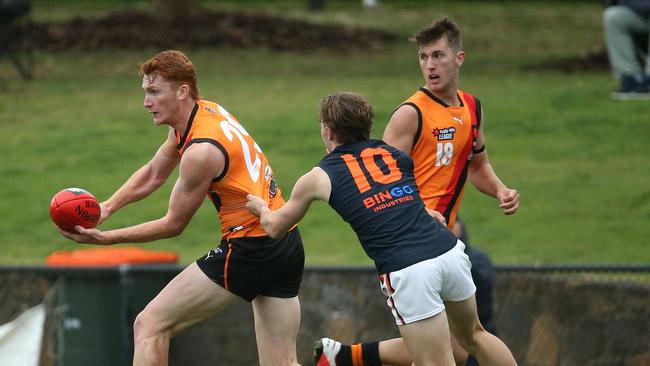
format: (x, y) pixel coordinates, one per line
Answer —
(483, 177)
(312, 186)
(200, 163)
(145, 180)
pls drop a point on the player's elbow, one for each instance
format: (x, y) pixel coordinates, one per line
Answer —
(157, 181)
(174, 227)
(175, 231)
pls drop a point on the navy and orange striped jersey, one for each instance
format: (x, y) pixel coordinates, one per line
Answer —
(246, 168)
(442, 148)
(374, 190)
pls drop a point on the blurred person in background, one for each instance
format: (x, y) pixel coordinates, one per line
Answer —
(627, 26)
(12, 9)
(441, 128)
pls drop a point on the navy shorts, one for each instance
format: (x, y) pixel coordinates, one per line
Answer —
(248, 267)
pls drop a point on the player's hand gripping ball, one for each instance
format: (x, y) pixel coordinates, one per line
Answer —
(74, 206)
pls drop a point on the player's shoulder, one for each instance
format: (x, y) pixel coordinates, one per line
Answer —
(473, 103)
(465, 92)
(207, 111)
(405, 113)
(208, 106)
(315, 184)
(202, 151)
(419, 94)
(471, 97)
(316, 175)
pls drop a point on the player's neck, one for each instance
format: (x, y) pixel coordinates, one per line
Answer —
(448, 95)
(331, 145)
(183, 115)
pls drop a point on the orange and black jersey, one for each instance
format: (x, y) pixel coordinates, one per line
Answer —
(374, 190)
(443, 147)
(246, 168)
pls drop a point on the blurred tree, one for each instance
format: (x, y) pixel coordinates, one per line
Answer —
(173, 9)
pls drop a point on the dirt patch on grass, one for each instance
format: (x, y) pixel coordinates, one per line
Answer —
(209, 28)
(138, 29)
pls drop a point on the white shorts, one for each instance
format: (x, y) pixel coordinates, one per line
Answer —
(417, 292)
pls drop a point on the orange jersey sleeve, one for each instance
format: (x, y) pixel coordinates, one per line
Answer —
(246, 169)
(442, 149)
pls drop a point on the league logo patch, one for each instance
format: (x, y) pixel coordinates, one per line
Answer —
(444, 134)
(209, 109)
(273, 188)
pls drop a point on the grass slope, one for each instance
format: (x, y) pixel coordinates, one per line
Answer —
(577, 157)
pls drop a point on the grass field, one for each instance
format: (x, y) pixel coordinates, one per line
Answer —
(578, 158)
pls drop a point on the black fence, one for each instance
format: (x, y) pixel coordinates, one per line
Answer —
(547, 314)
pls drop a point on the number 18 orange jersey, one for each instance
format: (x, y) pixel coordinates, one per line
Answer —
(442, 149)
(246, 169)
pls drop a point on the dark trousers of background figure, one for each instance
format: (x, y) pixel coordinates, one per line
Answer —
(483, 275)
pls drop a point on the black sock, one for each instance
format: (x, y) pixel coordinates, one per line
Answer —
(371, 353)
(344, 357)
(368, 351)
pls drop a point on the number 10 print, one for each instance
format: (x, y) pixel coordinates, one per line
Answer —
(368, 157)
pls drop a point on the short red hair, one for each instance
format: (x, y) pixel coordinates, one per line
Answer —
(173, 66)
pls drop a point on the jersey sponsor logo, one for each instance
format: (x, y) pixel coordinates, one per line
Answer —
(444, 134)
(388, 198)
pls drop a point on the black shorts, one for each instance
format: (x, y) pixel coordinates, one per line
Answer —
(248, 267)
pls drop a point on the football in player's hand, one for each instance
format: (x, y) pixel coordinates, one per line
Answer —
(74, 206)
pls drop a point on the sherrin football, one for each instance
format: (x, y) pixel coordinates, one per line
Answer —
(74, 206)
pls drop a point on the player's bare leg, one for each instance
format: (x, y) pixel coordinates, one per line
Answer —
(484, 346)
(276, 328)
(188, 298)
(428, 342)
(394, 352)
(460, 355)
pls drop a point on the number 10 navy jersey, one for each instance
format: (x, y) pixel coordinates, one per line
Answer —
(374, 190)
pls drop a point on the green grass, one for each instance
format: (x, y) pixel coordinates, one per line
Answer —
(577, 157)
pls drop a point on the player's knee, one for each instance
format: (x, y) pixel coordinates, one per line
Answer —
(146, 326)
(139, 327)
